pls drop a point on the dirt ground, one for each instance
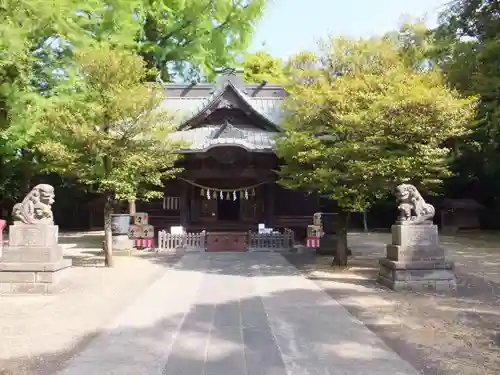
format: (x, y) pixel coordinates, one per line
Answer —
(38, 334)
(440, 334)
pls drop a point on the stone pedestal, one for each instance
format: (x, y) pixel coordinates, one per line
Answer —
(415, 260)
(121, 242)
(33, 261)
(120, 224)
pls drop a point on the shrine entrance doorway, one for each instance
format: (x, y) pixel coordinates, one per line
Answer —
(228, 210)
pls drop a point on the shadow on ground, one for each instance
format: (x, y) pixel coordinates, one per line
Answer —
(248, 338)
(407, 322)
(437, 333)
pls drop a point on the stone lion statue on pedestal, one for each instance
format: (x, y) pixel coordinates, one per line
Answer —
(412, 207)
(36, 207)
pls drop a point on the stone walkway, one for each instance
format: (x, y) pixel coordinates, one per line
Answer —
(233, 314)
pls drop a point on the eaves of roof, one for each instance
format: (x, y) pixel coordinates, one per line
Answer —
(205, 138)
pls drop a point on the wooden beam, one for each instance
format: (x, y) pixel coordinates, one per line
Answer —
(229, 173)
(270, 191)
(183, 203)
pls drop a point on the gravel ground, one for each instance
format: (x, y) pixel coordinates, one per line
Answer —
(40, 333)
(439, 334)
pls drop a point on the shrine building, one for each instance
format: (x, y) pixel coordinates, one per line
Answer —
(228, 181)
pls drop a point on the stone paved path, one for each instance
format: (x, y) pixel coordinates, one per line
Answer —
(234, 314)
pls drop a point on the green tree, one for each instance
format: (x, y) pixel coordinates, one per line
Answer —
(24, 56)
(361, 120)
(186, 39)
(261, 66)
(192, 38)
(179, 38)
(477, 19)
(415, 42)
(467, 50)
(108, 132)
(37, 43)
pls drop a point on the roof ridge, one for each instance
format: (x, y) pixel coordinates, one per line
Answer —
(245, 98)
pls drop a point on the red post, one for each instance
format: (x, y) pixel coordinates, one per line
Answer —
(3, 224)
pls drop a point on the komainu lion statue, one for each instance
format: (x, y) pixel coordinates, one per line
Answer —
(412, 207)
(36, 207)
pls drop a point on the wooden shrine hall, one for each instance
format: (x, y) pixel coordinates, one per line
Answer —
(228, 181)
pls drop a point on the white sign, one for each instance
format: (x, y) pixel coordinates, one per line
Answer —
(177, 230)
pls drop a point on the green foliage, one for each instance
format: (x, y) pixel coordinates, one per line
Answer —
(115, 22)
(415, 43)
(27, 61)
(108, 131)
(19, 102)
(261, 66)
(361, 120)
(476, 19)
(38, 42)
(193, 37)
(468, 41)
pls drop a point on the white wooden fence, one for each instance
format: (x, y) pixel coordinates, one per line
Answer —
(187, 241)
(168, 242)
(270, 241)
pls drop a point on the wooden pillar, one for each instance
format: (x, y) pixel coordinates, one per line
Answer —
(183, 203)
(270, 191)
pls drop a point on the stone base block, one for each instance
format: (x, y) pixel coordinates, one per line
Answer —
(33, 243)
(32, 254)
(33, 235)
(415, 235)
(417, 276)
(38, 267)
(401, 253)
(123, 252)
(419, 286)
(121, 242)
(32, 278)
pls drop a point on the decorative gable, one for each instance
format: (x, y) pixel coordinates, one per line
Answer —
(227, 96)
(225, 103)
(228, 131)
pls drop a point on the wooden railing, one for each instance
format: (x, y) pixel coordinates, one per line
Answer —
(270, 241)
(187, 241)
(168, 242)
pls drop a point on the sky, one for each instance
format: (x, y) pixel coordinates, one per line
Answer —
(290, 26)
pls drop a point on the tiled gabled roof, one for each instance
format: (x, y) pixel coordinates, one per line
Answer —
(184, 109)
(210, 136)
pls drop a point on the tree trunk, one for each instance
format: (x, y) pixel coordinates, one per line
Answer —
(365, 220)
(340, 258)
(108, 241)
(131, 207)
